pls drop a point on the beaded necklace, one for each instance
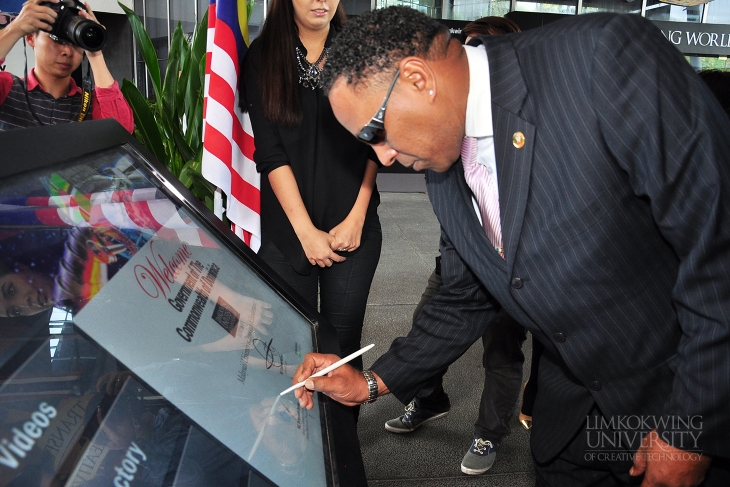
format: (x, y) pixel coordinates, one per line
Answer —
(310, 74)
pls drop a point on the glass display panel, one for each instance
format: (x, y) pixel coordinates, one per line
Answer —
(565, 7)
(658, 10)
(718, 12)
(165, 359)
(428, 7)
(616, 6)
(474, 9)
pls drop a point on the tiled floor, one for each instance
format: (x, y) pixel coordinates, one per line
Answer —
(432, 455)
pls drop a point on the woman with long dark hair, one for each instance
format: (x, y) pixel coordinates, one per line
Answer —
(320, 228)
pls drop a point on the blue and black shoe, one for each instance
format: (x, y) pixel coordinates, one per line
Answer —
(480, 457)
(412, 419)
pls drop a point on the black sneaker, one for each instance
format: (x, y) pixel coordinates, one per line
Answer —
(480, 457)
(412, 419)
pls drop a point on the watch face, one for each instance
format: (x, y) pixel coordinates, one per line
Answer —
(140, 341)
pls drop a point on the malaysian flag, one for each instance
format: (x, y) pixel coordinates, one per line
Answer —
(227, 135)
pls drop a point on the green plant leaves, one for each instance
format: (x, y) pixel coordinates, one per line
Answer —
(187, 174)
(144, 120)
(171, 125)
(200, 38)
(178, 51)
(146, 48)
(191, 176)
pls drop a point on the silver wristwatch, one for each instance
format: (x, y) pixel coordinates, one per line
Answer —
(372, 386)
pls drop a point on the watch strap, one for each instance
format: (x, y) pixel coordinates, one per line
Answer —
(372, 386)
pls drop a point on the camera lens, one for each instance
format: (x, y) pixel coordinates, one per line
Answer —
(92, 37)
(85, 33)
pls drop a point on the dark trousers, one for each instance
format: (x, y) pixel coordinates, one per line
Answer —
(502, 360)
(342, 288)
(530, 392)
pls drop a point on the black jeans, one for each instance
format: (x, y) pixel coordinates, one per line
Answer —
(502, 361)
(343, 288)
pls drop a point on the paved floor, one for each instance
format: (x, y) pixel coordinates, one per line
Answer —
(431, 456)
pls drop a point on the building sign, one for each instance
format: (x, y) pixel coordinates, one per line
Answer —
(690, 38)
(697, 39)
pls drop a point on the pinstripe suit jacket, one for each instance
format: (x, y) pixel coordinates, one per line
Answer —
(616, 226)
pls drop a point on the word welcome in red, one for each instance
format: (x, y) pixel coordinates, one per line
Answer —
(158, 273)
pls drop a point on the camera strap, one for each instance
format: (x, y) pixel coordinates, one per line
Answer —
(85, 87)
(25, 84)
(86, 90)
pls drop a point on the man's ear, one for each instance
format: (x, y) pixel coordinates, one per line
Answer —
(30, 39)
(416, 72)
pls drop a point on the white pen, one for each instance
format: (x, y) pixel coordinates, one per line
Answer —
(329, 369)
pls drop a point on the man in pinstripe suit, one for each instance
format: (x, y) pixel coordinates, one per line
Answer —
(612, 161)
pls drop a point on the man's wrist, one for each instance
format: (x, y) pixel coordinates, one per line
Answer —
(372, 384)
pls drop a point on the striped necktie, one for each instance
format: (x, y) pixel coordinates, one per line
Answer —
(484, 187)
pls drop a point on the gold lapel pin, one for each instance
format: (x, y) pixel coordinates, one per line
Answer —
(518, 140)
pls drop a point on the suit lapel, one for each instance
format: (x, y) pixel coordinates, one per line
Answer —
(514, 166)
(514, 159)
(513, 173)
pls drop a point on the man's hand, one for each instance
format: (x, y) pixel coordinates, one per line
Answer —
(32, 18)
(89, 14)
(666, 466)
(102, 76)
(345, 384)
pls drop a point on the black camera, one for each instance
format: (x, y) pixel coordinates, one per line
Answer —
(71, 27)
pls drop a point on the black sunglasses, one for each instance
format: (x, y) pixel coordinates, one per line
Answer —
(374, 132)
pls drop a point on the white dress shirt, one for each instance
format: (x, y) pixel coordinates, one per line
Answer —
(479, 111)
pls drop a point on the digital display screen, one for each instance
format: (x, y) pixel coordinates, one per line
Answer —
(166, 352)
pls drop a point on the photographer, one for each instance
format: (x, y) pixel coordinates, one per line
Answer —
(51, 95)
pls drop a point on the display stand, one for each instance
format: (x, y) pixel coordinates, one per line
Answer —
(144, 343)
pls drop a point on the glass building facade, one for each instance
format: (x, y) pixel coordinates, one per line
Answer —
(162, 16)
